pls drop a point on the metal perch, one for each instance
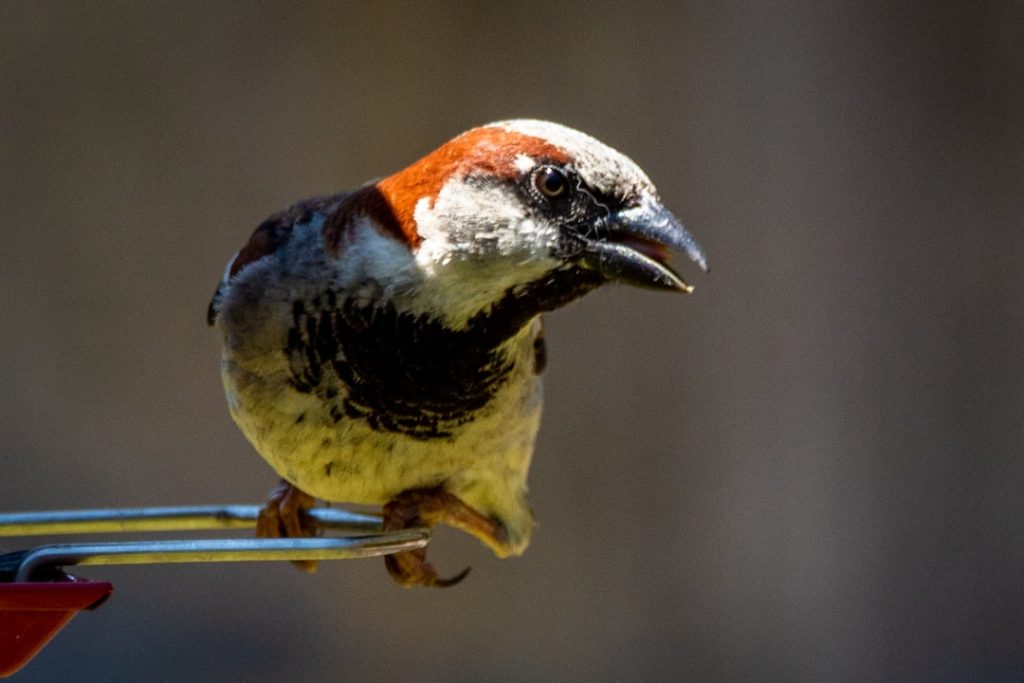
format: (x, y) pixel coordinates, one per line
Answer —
(37, 599)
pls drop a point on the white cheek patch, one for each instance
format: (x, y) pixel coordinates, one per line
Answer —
(474, 222)
(435, 248)
(477, 242)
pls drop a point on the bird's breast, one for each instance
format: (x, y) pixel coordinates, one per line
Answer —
(346, 331)
(399, 372)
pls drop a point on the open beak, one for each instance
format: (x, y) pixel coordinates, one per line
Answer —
(633, 246)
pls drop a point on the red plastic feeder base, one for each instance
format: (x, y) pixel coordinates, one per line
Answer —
(33, 613)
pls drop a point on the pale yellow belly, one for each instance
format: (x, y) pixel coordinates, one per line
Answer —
(485, 463)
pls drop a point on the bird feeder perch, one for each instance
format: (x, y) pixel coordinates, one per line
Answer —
(37, 598)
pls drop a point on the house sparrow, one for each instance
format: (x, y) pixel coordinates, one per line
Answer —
(384, 346)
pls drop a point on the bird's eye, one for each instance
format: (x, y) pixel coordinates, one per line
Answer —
(550, 182)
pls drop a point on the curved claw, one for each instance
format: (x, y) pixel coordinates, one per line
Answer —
(411, 569)
(447, 583)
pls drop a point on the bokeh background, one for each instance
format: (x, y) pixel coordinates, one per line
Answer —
(810, 469)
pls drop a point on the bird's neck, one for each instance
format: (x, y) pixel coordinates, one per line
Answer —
(518, 305)
(458, 290)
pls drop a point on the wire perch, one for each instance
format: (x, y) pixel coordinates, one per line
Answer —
(359, 535)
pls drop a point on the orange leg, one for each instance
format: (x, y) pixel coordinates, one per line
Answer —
(283, 516)
(429, 507)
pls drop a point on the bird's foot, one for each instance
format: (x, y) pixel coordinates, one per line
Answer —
(429, 507)
(283, 516)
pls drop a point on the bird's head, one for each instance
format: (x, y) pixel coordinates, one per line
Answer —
(528, 203)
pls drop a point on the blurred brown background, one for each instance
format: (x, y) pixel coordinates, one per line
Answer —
(811, 469)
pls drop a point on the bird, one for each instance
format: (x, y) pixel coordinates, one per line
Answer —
(385, 346)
